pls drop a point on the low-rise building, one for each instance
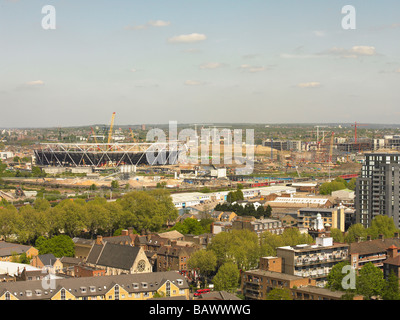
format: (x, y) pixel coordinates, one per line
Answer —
(392, 263)
(118, 259)
(47, 261)
(256, 284)
(141, 286)
(374, 251)
(258, 225)
(9, 250)
(313, 260)
(335, 217)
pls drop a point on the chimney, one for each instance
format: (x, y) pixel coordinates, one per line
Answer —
(381, 237)
(368, 238)
(99, 240)
(392, 251)
(212, 228)
(130, 230)
(124, 232)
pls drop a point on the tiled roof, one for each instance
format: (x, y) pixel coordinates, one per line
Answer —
(372, 246)
(113, 255)
(7, 248)
(100, 285)
(393, 261)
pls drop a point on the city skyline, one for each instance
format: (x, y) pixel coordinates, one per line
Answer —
(195, 62)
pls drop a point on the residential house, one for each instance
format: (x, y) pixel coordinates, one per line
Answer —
(127, 238)
(140, 286)
(375, 251)
(47, 261)
(82, 247)
(8, 250)
(224, 216)
(392, 263)
(258, 225)
(175, 257)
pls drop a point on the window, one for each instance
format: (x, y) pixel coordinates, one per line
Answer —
(8, 296)
(63, 294)
(168, 289)
(116, 292)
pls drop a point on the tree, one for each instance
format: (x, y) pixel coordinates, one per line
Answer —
(239, 246)
(268, 211)
(279, 294)
(204, 261)
(190, 226)
(335, 276)
(70, 217)
(370, 281)
(227, 278)
(60, 246)
(381, 224)
(337, 235)
(114, 184)
(391, 289)
(327, 187)
(289, 237)
(8, 221)
(352, 184)
(355, 231)
(148, 209)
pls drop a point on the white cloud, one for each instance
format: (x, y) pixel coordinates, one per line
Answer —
(151, 23)
(211, 65)
(35, 83)
(187, 38)
(252, 69)
(354, 52)
(159, 23)
(309, 85)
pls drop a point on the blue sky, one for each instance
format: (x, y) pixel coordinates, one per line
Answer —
(198, 61)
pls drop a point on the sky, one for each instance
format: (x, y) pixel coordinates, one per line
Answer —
(192, 61)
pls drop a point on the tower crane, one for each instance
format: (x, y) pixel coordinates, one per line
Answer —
(111, 128)
(355, 125)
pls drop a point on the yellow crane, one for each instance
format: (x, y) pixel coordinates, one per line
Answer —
(111, 128)
(132, 135)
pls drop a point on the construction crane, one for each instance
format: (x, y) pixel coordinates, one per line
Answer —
(95, 139)
(331, 148)
(132, 135)
(111, 128)
(355, 125)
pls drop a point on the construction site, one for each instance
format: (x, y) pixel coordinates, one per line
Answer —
(90, 159)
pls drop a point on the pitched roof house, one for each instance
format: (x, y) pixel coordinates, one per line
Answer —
(118, 259)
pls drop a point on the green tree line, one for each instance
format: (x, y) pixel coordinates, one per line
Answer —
(142, 210)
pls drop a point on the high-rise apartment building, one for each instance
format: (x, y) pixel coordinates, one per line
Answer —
(378, 188)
